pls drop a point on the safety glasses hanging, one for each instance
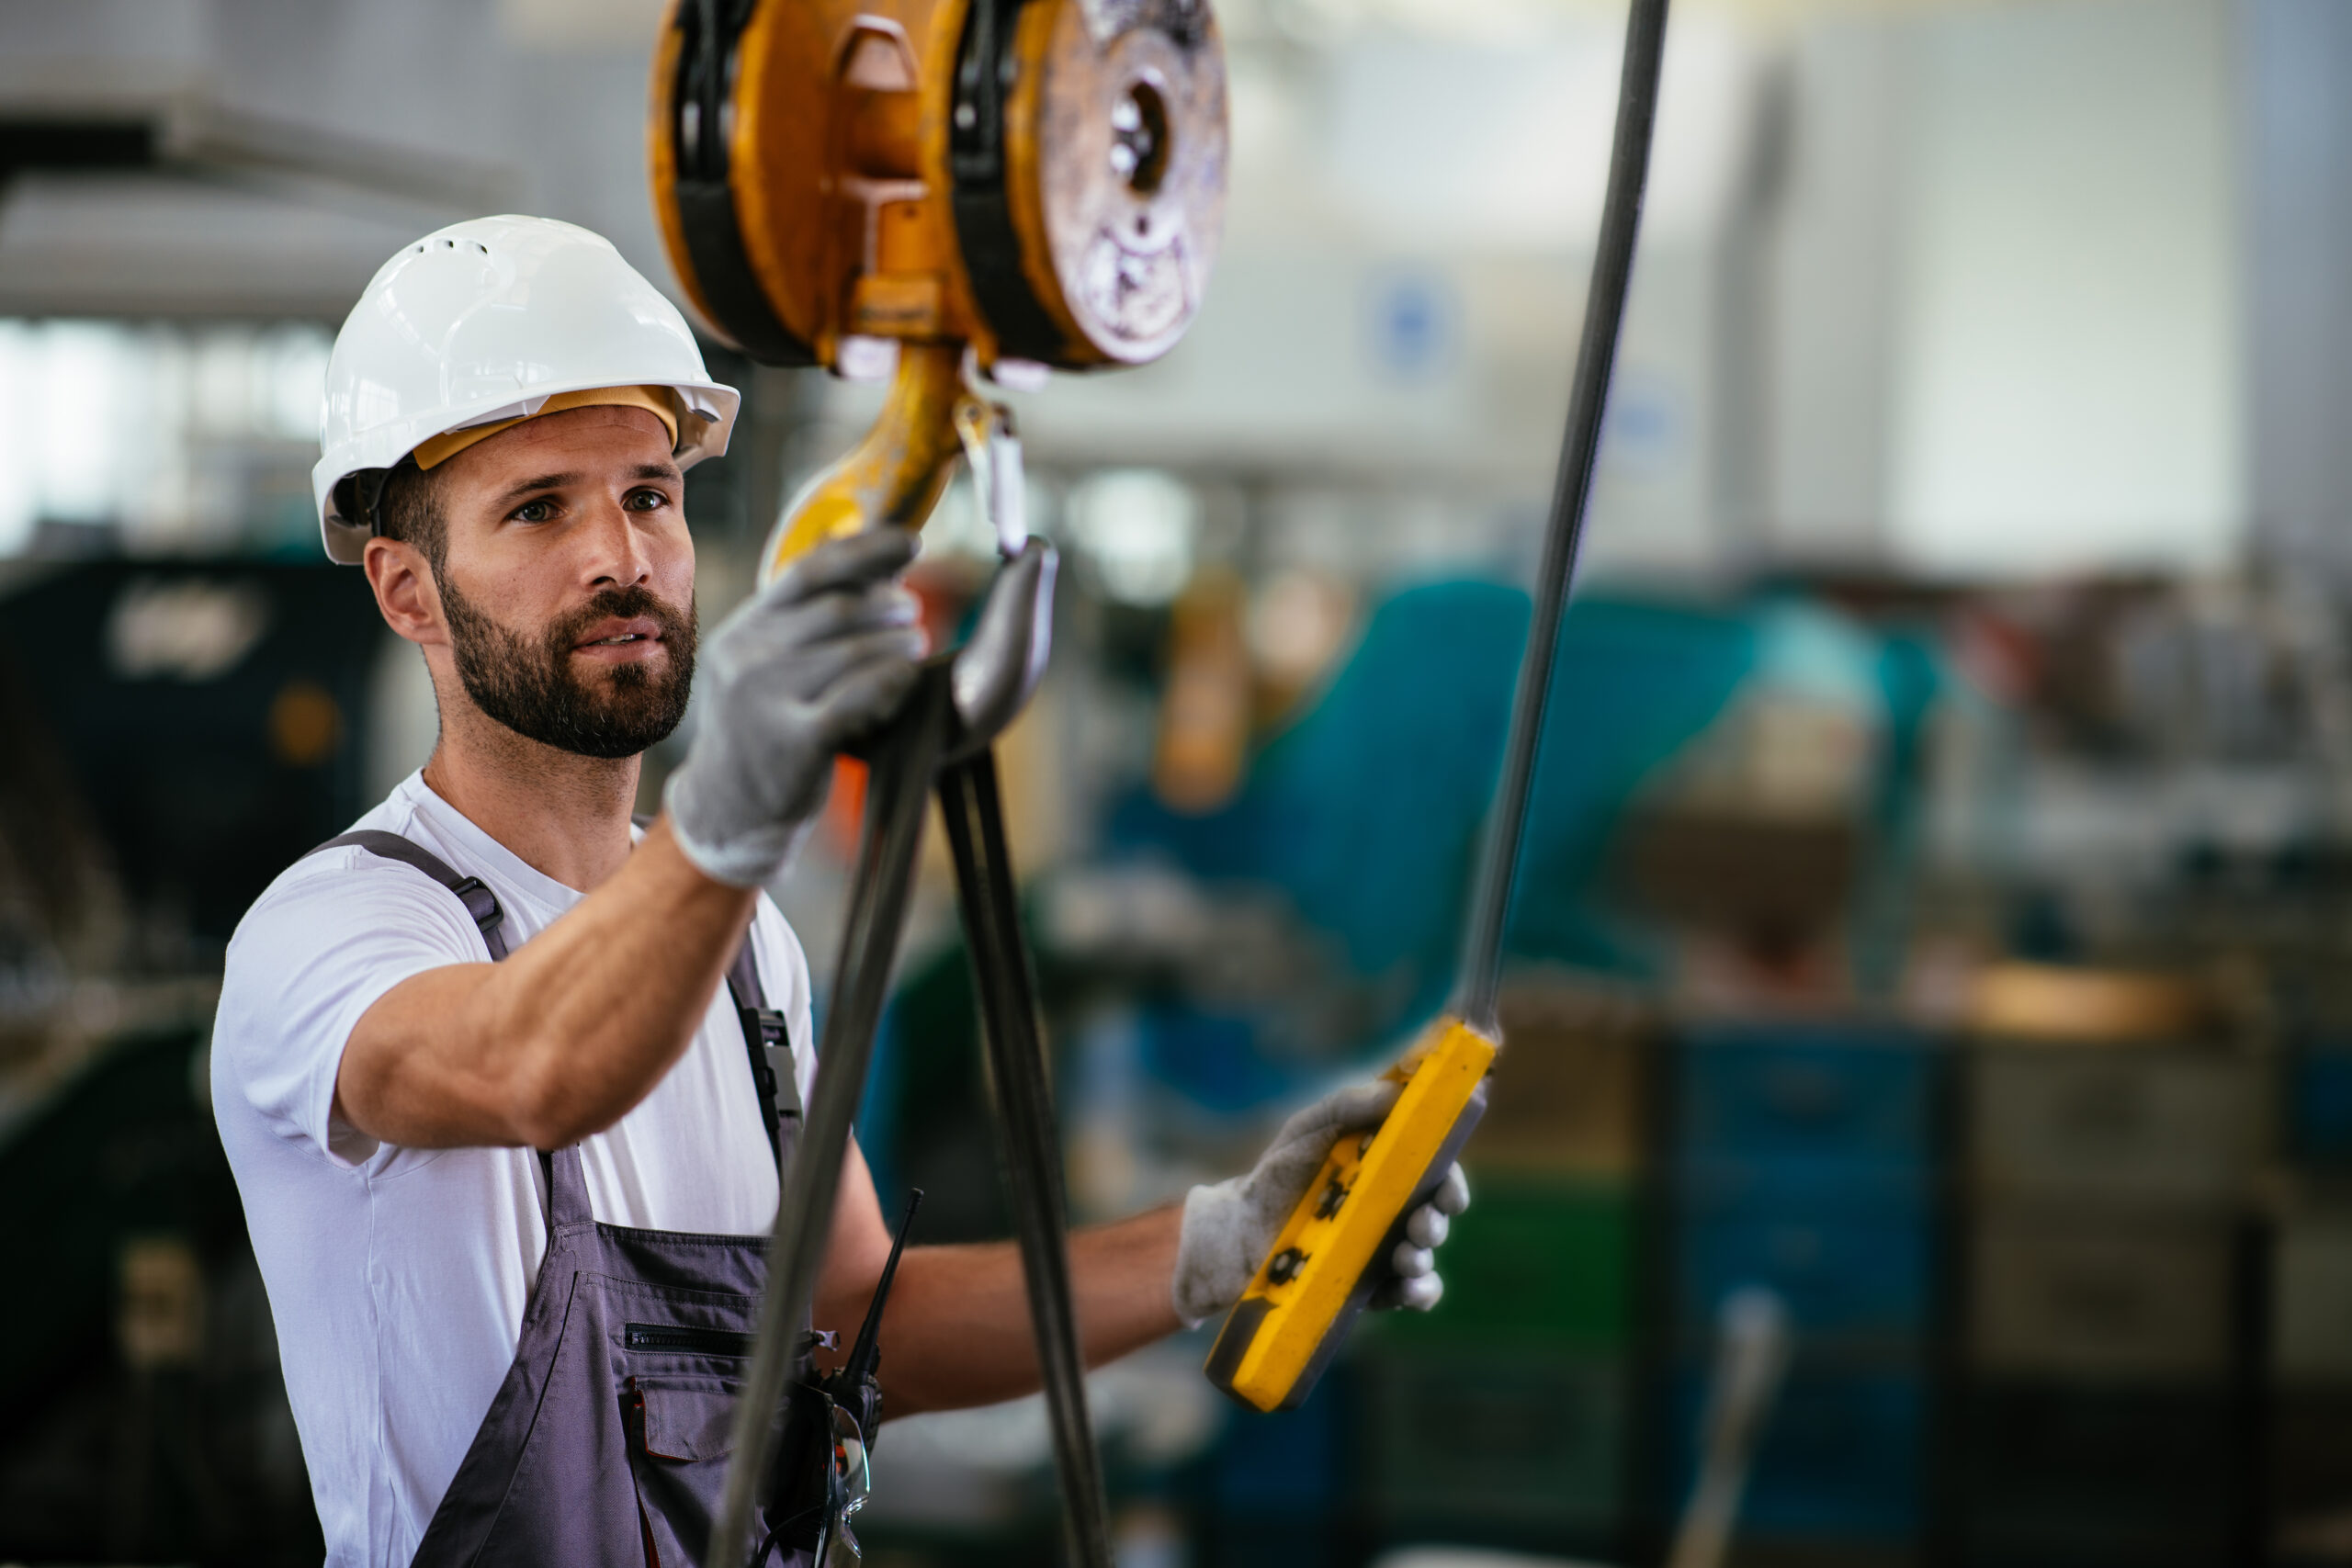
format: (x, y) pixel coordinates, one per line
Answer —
(851, 1465)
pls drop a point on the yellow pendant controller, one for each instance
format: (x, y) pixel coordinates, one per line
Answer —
(1325, 1264)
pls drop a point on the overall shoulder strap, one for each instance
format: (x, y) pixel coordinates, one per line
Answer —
(479, 900)
(766, 1039)
(770, 1045)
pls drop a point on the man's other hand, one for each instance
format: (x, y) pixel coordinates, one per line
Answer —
(1228, 1227)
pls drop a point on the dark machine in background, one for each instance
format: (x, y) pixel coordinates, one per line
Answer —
(211, 717)
(178, 732)
(148, 1422)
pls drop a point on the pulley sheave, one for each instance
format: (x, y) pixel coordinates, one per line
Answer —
(1042, 179)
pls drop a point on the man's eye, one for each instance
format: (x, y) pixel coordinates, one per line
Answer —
(648, 499)
(540, 511)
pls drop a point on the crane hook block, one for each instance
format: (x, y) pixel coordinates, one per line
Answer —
(1042, 180)
(1335, 1246)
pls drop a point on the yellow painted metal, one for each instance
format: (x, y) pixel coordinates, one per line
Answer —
(840, 120)
(819, 182)
(894, 473)
(1301, 1293)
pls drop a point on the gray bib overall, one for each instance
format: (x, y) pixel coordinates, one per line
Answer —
(608, 1441)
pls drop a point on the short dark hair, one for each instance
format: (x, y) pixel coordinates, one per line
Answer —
(409, 509)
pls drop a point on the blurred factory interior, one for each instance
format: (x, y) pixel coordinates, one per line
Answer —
(1939, 906)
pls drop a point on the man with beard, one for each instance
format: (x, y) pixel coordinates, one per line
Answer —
(508, 1146)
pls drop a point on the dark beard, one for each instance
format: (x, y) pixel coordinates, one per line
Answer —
(530, 688)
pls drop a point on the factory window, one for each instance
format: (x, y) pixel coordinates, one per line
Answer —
(158, 438)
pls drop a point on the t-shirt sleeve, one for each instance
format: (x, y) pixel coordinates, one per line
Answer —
(309, 959)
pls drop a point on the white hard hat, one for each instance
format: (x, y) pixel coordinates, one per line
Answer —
(485, 321)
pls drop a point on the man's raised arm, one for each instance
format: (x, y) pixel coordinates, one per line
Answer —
(575, 1028)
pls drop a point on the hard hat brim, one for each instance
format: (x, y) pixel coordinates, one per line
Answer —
(345, 540)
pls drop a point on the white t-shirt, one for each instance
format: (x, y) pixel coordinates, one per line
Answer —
(398, 1277)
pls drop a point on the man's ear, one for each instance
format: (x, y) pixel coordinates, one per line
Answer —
(405, 591)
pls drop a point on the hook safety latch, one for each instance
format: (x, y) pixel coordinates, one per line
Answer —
(992, 448)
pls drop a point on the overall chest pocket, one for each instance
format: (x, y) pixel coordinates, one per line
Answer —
(681, 1430)
(681, 1427)
(686, 1421)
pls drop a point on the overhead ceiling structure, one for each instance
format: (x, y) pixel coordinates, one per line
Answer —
(241, 157)
(135, 245)
(174, 203)
(57, 128)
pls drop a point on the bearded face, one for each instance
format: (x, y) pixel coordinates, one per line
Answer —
(538, 686)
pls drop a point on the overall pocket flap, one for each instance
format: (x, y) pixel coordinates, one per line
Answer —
(688, 1423)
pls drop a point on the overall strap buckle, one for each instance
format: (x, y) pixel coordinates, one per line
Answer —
(480, 902)
(772, 1061)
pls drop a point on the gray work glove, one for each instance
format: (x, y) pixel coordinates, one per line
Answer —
(816, 660)
(1227, 1228)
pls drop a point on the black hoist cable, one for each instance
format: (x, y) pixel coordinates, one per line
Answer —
(1604, 315)
(916, 756)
